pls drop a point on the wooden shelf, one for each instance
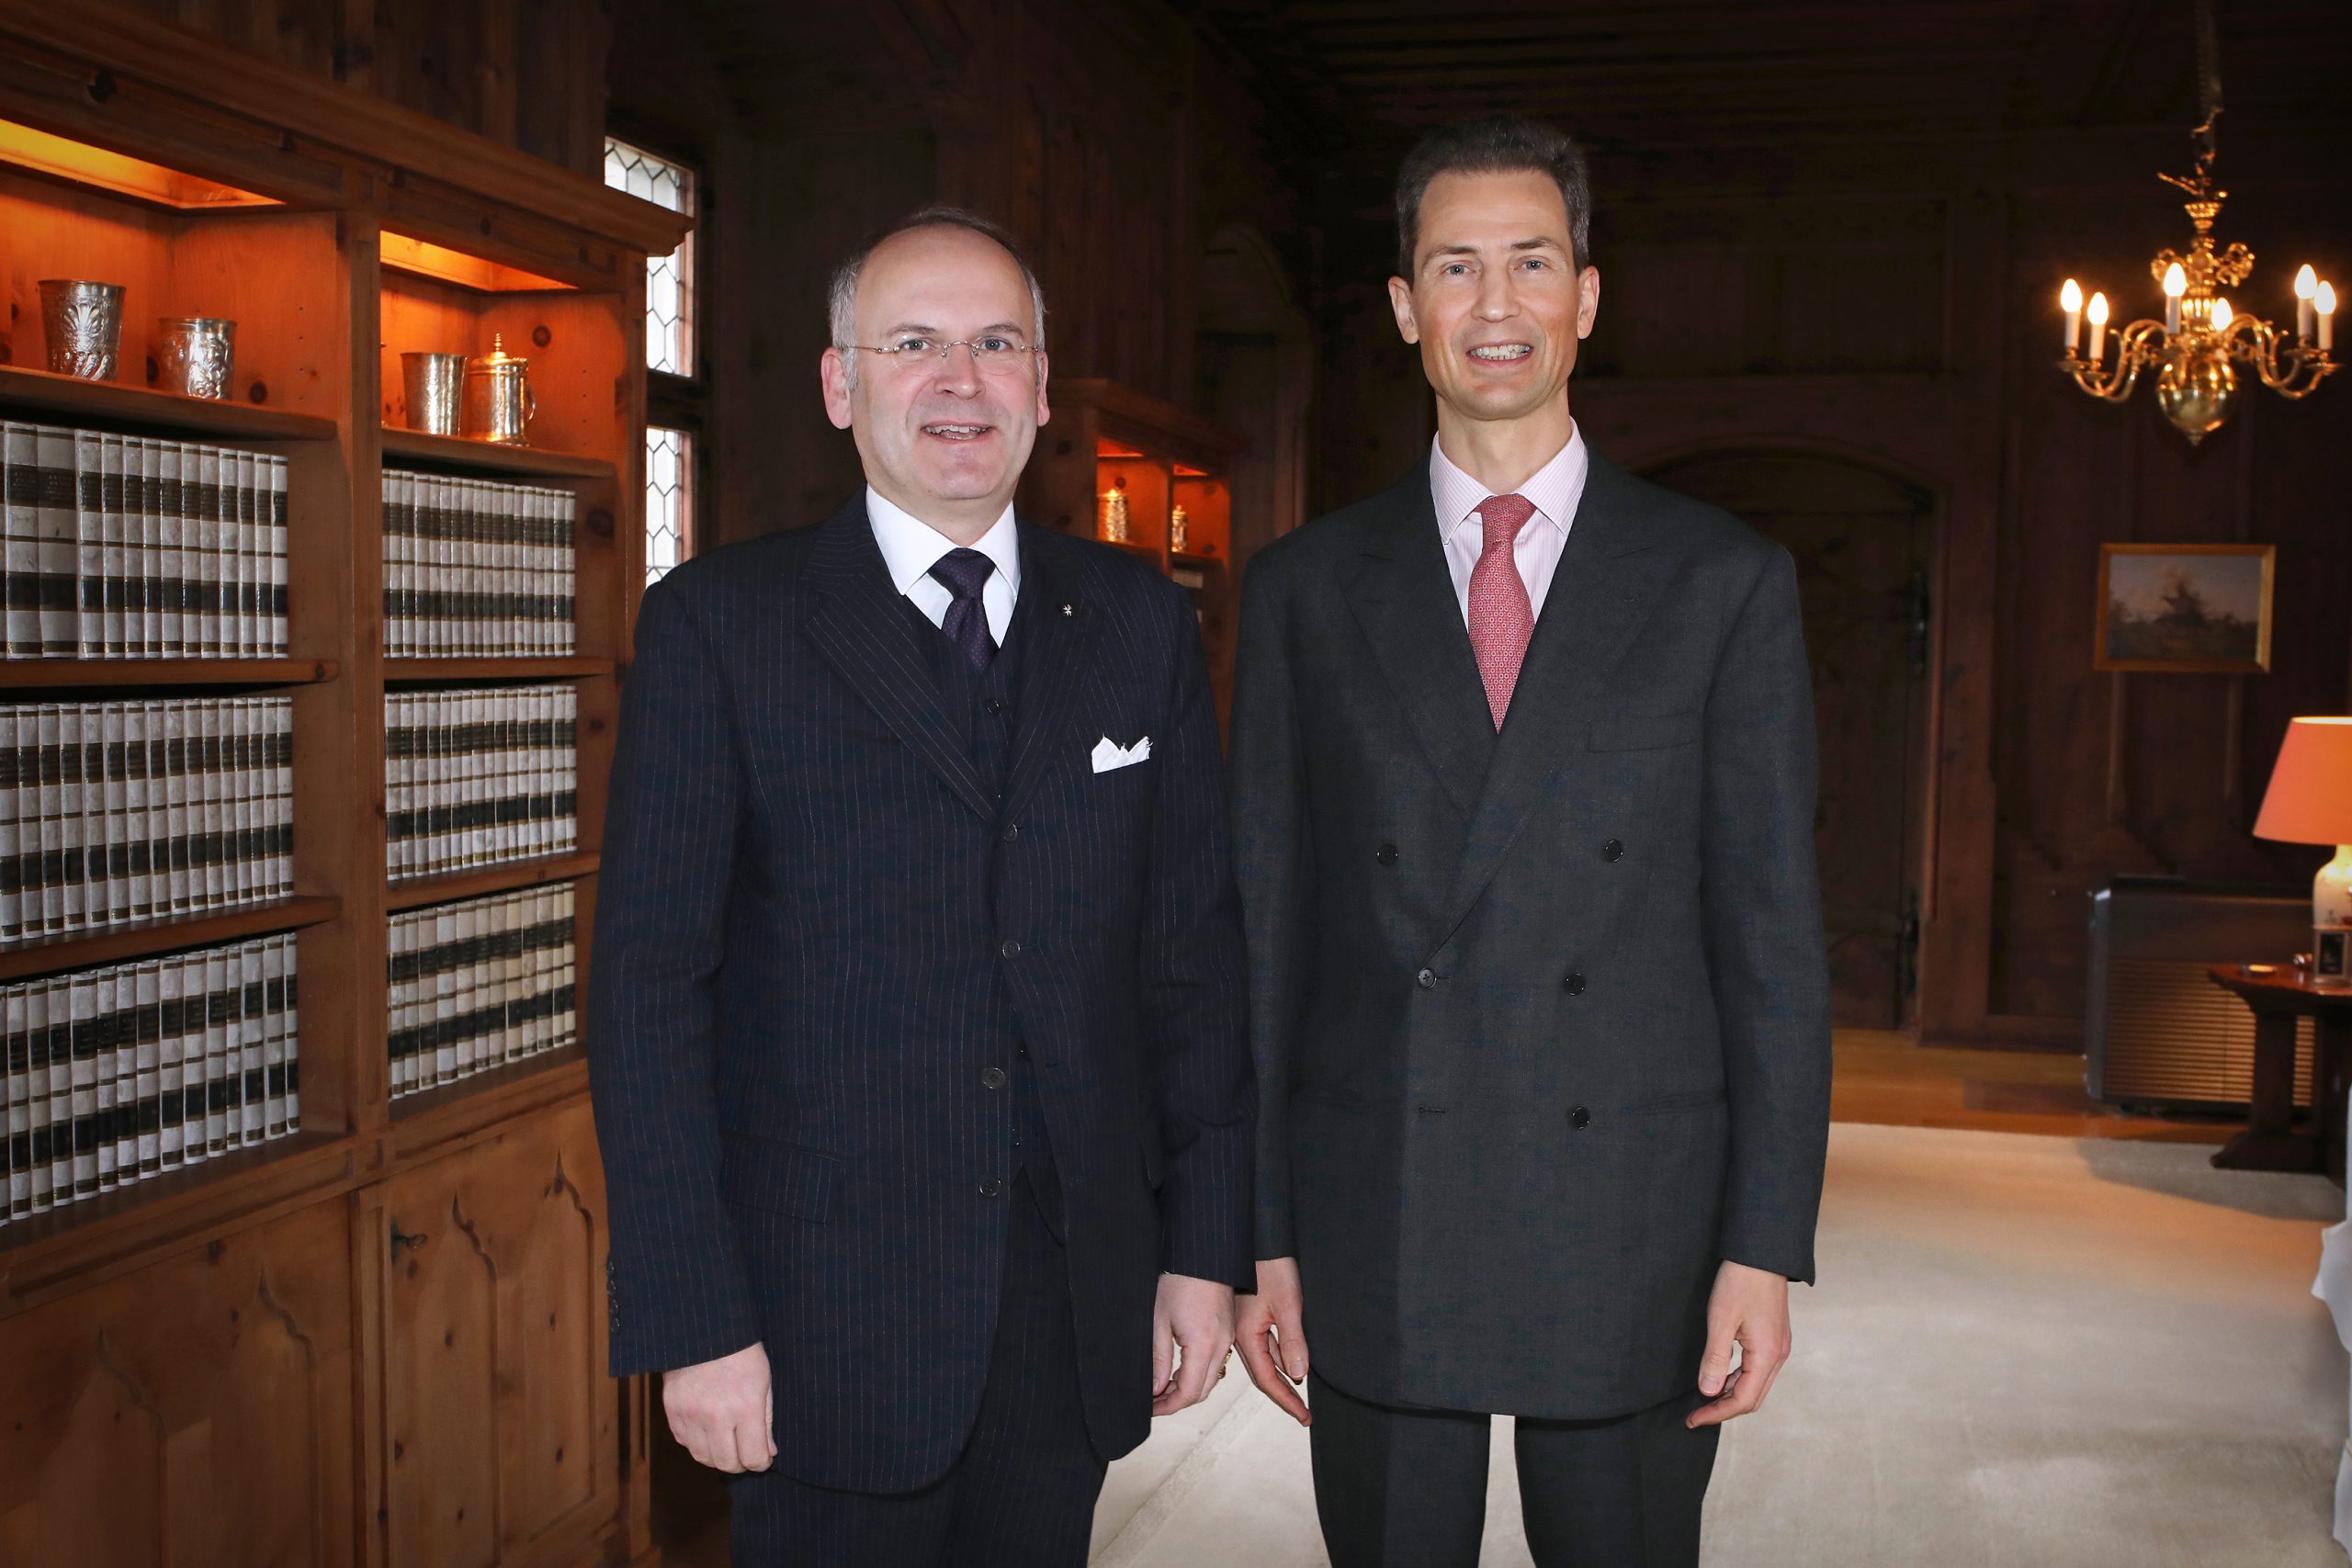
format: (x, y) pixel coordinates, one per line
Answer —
(111, 945)
(469, 668)
(121, 1229)
(40, 395)
(490, 456)
(490, 879)
(35, 675)
(434, 1116)
(1198, 563)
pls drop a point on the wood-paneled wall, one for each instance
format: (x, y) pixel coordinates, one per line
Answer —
(1888, 303)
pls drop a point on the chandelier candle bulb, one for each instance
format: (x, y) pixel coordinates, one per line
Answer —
(2223, 315)
(2306, 287)
(2176, 285)
(2070, 300)
(2099, 326)
(2325, 304)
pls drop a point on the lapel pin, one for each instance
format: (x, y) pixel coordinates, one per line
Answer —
(1068, 610)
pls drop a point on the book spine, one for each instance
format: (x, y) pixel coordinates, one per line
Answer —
(20, 537)
(273, 979)
(170, 1063)
(148, 1082)
(12, 915)
(180, 880)
(253, 1053)
(180, 479)
(201, 554)
(113, 758)
(218, 1085)
(148, 573)
(110, 545)
(280, 540)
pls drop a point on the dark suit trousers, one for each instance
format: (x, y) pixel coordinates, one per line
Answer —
(1022, 1494)
(1408, 1488)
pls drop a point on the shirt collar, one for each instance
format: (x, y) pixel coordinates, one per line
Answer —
(1555, 488)
(910, 546)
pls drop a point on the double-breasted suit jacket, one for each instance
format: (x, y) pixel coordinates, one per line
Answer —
(1541, 1017)
(822, 939)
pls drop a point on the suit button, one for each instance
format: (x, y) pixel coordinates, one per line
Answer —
(1612, 849)
(1426, 979)
(1580, 1118)
(992, 1078)
(1386, 854)
(990, 1187)
(1012, 832)
(1574, 985)
(1010, 948)
(994, 706)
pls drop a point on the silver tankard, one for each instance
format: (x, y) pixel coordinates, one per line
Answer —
(195, 354)
(81, 323)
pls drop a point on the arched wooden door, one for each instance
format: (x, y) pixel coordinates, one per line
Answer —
(1864, 542)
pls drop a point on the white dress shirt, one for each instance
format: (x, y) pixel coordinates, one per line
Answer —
(1556, 488)
(910, 546)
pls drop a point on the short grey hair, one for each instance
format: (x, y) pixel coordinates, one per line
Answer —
(841, 297)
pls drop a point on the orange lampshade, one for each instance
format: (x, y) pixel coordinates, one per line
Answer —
(2309, 799)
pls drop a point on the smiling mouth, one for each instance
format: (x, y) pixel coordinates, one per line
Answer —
(1502, 353)
(957, 432)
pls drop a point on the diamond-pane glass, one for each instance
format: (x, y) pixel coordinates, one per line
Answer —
(669, 280)
(669, 500)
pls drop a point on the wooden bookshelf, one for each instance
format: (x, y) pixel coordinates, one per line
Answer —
(330, 1309)
(489, 457)
(137, 938)
(536, 668)
(59, 674)
(1105, 435)
(505, 877)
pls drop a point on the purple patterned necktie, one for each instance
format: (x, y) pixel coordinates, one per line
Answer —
(967, 625)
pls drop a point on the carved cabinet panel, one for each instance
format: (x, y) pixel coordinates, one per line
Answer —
(197, 1411)
(502, 1442)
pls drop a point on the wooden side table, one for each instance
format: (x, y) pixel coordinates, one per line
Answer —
(2271, 1141)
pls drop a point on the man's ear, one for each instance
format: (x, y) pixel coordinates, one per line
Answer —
(1045, 413)
(1400, 299)
(1587, 300)
(832, 373)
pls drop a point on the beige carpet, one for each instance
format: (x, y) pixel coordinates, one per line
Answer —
(2027, 1350)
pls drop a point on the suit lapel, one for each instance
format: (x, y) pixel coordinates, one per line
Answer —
(859, 625)
(1608, 583)
(1402, 597)
(1059, 650)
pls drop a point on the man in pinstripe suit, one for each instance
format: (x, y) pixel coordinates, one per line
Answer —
(916, 1009)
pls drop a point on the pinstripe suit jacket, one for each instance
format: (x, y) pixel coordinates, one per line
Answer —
(811, 913)
(1542, 1018)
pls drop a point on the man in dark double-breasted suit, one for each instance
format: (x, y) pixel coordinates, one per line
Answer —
(915, 1018)
(1523, 785)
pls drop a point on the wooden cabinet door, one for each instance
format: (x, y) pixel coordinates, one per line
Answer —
(502, 1443)
(194, 1412)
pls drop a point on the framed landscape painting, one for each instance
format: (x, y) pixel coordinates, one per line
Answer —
(2185, 607)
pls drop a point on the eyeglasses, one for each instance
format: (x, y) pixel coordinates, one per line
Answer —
(993, 352)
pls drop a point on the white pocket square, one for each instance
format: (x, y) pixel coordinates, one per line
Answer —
(1109, 754)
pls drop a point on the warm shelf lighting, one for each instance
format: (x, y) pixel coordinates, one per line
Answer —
(84, 164)
(1107, 448)
(425, 259)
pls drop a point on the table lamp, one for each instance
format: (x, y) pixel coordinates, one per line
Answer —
(2310, 801)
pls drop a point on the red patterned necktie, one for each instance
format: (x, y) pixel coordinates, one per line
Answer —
(1501, 619)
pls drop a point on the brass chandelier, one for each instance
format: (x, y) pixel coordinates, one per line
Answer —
(2194, 349)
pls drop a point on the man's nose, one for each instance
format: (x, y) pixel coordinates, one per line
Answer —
(1495, 300)
(959, 370)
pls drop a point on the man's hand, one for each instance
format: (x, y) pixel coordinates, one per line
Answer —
(723, 1411)
(1195, 1315)
(1750, 1308)
(1273, 1340)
